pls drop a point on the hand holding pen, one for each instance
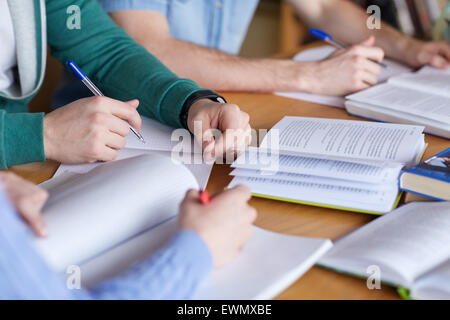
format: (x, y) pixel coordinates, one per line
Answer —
(95, 91)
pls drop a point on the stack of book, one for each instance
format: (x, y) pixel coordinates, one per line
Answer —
(342, 164)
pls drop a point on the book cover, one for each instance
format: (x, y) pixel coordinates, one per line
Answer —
(437, 167)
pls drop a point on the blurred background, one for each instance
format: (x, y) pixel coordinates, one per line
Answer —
(277, 31)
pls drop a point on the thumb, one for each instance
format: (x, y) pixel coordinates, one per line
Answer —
(370, 42)
(134, 103)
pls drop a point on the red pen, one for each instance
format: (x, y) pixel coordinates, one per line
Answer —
(204, 197)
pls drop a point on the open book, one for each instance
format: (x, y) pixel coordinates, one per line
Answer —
(409, 246)
(421, 98)
(323, 52)
(342, 164)
(162, 140)
(119, 213)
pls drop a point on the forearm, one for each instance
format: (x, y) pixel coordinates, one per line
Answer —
(221, 71)
(122, 69)
(208, 67)
(348, 23)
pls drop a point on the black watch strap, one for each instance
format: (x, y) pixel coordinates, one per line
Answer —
(202, 94)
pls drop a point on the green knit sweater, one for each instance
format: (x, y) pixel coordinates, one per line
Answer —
(115, 63)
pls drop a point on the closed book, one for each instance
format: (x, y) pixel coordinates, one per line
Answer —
(430, 178)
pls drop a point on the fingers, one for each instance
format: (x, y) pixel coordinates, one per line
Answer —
(236, 130)
(125, 110)
(28, 199)
(367, 50)
(106, 154)
(238, 194)
(115, 141)
(36, 222)
(369, 42)
(439, 62)
(118, 126)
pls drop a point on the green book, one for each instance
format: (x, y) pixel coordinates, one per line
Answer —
(407, 248)
(340, 164)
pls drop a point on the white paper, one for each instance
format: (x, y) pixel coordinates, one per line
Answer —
(347, 140)
(92, 212)
(269, 263)
(405, 243)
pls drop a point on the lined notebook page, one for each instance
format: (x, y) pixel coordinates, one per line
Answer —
(91, 212)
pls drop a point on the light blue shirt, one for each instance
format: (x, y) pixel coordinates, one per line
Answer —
(218, 24)
(173, 272)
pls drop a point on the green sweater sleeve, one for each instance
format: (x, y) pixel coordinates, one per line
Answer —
(24, 145)
(121, 68)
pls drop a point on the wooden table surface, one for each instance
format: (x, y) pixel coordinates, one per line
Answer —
(265, 110)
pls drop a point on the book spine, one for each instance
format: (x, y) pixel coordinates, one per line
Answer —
(404, 17)
(415, 18)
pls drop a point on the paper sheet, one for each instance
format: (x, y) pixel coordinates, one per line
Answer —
(159, 141)
(251, 276)
(321, 53)
(89, 213)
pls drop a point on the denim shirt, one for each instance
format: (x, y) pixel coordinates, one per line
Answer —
(218, 24)
(173, 272)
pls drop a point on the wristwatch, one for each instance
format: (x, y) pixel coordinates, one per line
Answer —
(202, 94)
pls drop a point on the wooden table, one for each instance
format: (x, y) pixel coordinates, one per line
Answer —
(265, 110)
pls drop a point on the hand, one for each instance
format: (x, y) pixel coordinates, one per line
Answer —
(224, 224)
(420, 53)
(346, 71)
(206, 115)
(28, 199)
(89, 130)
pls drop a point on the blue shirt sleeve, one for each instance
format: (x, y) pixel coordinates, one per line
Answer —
(173, 272)
(119, 5)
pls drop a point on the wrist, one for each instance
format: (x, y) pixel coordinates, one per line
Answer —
(187, 111)
(304, 77)
(405, 50)
(47, 134)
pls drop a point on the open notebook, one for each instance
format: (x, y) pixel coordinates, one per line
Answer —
(117, 214)
(159, 140)
(409, 245)
(342, 164)
(421, 98)
(321, 53)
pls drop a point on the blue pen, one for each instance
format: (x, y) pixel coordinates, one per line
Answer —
(96, 91)
(329, 39)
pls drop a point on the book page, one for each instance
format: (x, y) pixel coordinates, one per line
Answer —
(287, 176)
(405, 244)
(325, 168)
(89, 213)
(346, 140)
(434, 285)
(323, 52)
(321, 194)
(251, 276)
(428, 80)
(201, 171)
(410, 101)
